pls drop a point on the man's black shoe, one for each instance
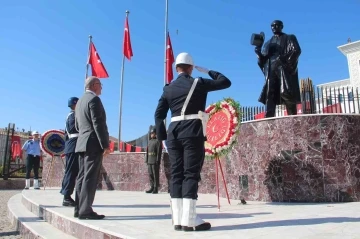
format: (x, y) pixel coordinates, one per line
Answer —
(76, 214)
(155, 191)
(150, 190)
(91, 216)
(69, 202)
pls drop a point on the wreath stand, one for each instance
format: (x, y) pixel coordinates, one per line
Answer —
(217, 166)
(53, 159)
(222, 129)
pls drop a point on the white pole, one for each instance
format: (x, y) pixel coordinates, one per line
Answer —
(87, 60)
(166, 33)
(121, 93)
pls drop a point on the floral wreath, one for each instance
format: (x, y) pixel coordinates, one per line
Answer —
(53, 142)
(229, 112)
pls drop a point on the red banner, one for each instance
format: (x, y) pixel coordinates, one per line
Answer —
(111, 146)
(15, 147)
(335, 108)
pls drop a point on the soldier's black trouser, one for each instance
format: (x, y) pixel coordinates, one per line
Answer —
(186, 159)
(32, 161)
(71, 172)
(274, 85)
(154, 175)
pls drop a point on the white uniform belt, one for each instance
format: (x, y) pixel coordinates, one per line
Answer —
(73, 135)
(184, 117)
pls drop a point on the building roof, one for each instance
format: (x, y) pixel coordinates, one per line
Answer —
(336, 83)
(350, 47)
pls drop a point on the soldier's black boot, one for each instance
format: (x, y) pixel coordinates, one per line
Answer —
(150, 190)
(155, 191)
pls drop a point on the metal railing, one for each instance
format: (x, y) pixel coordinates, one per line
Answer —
(321, 100)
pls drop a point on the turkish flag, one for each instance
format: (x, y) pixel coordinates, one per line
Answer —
(127, 43)
(97, 67)
(169, 60)
(16, 147)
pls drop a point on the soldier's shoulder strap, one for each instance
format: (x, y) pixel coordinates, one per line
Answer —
(189, 96)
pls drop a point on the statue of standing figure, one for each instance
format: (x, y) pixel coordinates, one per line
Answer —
(278, 60)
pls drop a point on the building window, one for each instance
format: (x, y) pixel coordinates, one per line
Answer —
(328, 101)
(351, 96)
(340, 98)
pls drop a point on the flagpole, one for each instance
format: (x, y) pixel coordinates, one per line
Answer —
(121, 92)
(166, 33)
(87, 60)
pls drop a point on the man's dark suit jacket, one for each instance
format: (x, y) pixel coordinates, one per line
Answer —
(173, 98)
(90, 120)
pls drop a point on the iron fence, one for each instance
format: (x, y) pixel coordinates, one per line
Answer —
(319, 100)
(12, 166)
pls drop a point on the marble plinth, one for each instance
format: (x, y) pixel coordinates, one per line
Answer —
(120, 171)
(305, 158)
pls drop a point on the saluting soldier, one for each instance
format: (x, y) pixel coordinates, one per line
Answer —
(153, 159)
(72, 158)
(186, 98)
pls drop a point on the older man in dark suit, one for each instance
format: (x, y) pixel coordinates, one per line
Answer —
(92, 145)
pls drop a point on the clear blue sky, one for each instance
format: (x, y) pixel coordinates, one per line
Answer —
(44, 49)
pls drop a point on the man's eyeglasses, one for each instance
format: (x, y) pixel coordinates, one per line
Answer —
(98, 83)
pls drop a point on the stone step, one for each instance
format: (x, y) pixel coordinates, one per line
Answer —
(62, 217)
(30, 225)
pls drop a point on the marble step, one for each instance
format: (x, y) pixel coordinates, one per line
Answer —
(30, 225)
(62, 218)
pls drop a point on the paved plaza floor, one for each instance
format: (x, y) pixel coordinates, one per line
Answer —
(141, 215)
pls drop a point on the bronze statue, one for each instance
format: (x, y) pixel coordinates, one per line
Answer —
(278, 61)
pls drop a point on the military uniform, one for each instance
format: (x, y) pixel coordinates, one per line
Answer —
(153, 159)
(185, 139)
(72, 158)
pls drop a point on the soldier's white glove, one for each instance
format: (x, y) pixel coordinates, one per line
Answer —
(202, 69)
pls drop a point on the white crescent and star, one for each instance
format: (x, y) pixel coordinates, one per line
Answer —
(98, 57)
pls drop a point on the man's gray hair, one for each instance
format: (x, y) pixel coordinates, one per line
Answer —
(90, 80)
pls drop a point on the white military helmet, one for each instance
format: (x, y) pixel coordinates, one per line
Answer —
(34, 132)
(184, 58)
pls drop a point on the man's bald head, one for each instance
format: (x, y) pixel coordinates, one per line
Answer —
(90, 81)
(93, 83)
